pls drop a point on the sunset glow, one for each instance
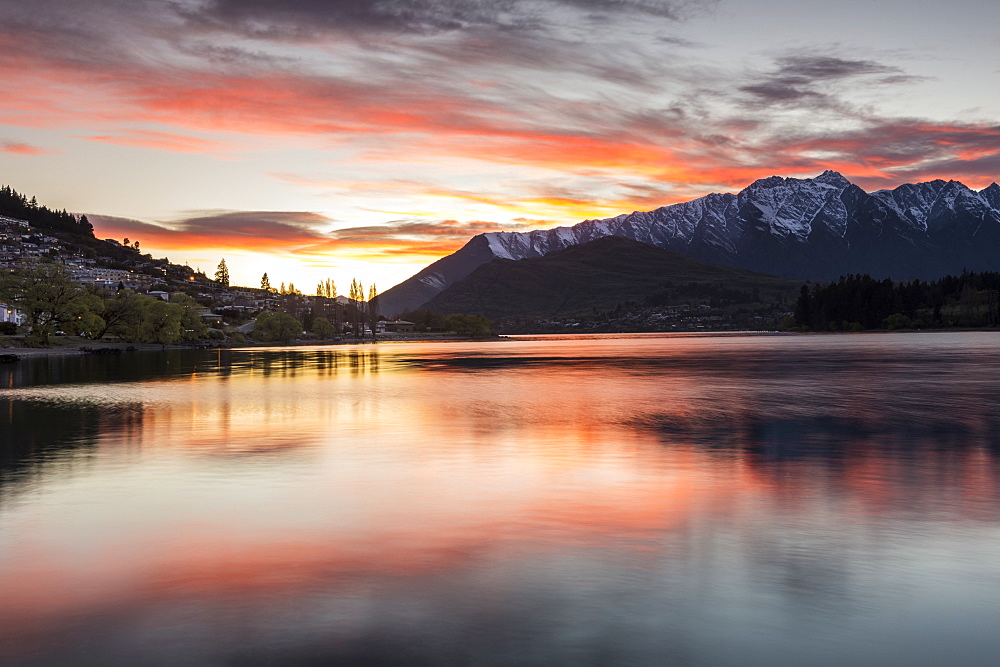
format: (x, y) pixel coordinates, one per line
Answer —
(315, 140)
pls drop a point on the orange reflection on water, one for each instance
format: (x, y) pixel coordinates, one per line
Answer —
(277, 476)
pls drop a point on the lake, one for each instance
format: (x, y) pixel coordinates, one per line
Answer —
(588, 500)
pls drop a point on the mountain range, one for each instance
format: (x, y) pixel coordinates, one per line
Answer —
(806, 229)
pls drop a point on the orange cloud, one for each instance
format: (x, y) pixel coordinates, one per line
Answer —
(21, 148)
(166, 141)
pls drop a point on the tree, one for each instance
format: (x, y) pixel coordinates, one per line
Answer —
(322, 327)
(373, 309)
(356, 307)
(265, 282)
(327, 288)
(47, 297)
(192, 326)
(803, 309)
(222, 274)
(118, 316)
(276, 327)
(159, 321)
(470, 325)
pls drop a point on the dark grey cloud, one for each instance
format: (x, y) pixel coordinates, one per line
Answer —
(812, 68)
(302, 17)
(780, 92)
(257, 224)
(416, 230)
(807, 79)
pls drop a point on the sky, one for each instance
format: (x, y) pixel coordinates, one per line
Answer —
(317, 139)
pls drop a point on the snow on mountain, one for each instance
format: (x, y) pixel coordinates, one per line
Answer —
(813, 228)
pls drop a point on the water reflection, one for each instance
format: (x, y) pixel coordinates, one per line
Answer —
(792, 500)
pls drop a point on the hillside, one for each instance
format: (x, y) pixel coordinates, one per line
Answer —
(601, 275)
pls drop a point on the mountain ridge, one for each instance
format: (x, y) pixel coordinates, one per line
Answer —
(806, 229)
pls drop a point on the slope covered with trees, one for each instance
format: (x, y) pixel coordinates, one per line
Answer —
(858, 302)
(603, 275)
(15, 205)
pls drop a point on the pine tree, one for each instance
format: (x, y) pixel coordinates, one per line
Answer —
(222, 274)
(265, 283)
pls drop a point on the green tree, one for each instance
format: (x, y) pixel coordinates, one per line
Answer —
(159, 321)
(117, 316)
(322, 327)
(192, 325)
(47, 297)
(222, 274)
(276, 326)
(470, 325)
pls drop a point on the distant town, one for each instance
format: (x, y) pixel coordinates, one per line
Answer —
(112, 288)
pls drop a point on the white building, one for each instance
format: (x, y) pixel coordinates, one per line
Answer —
(11, 314)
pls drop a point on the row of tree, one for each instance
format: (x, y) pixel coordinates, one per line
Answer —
(858, 302)
(462, 324)
(52, 302)
(324, 315)
(15, 205)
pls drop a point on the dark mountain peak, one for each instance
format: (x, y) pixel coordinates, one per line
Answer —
(769, 182)
(992, 195)
(934, 188)
(831, 177)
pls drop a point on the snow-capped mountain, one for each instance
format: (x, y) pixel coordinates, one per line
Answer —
(814, 228)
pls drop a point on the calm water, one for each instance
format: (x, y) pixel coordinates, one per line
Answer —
(792, 500)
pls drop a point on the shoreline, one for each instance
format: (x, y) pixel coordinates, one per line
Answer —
(12, 354)
(73, 348)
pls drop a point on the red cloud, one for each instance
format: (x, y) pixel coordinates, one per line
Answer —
(20, 148)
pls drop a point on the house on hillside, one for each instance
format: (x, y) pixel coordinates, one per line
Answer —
(12, 225)
(11, 314)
